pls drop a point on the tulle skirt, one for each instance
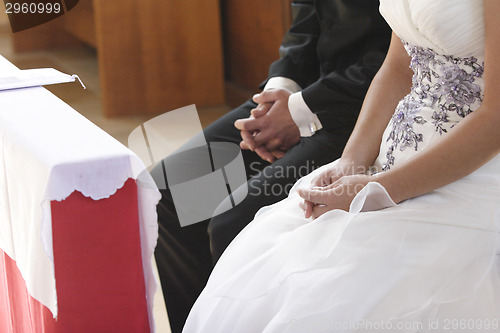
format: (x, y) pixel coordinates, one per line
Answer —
(429, 264)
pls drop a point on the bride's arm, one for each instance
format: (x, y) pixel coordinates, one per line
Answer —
(388, 87)
(473, 142)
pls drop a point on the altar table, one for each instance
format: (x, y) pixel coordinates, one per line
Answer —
(77, 222)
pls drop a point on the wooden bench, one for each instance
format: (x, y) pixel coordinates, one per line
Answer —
(153, 56)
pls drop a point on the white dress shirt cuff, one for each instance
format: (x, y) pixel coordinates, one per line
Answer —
(282, 82)
(307, 122)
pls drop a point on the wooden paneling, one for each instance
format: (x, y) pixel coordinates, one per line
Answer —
(46, 36)
(80, 22)
(154, 56)
(253, 31)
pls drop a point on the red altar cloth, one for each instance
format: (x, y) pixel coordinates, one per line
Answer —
(98, 270)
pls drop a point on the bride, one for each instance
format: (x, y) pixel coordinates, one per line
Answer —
(401, 233)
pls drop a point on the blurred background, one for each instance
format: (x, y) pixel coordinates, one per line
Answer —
(140, 59)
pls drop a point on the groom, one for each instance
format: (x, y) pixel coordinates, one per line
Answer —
(300, 121)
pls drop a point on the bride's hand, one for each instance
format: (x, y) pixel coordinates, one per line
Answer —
(338, 195)
(334, 173)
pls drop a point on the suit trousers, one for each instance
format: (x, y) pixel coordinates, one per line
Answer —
(185, 255)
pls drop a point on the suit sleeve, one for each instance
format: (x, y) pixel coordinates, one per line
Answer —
(333, 55)
(298, 57)
(351, 52)
(337, 96)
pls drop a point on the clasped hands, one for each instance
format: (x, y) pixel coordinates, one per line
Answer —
(270, 130)
(334, 188)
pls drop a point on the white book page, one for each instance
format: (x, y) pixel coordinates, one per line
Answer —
(34, 77)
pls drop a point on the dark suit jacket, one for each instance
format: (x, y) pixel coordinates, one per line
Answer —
(332, 50)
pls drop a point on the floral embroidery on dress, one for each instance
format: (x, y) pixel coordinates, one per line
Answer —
(402, 133)
(443, 83)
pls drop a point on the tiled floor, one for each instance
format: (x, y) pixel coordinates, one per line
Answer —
(82, 61)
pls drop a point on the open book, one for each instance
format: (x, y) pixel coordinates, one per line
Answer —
(34, 77)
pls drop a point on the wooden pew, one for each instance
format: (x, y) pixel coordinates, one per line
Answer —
(154, 56)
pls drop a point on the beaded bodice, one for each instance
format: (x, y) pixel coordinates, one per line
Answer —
(444, 90)
(445, 41)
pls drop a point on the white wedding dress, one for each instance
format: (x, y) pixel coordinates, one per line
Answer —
(428, 264)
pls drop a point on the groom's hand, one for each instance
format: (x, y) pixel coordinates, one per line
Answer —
(270, 131)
